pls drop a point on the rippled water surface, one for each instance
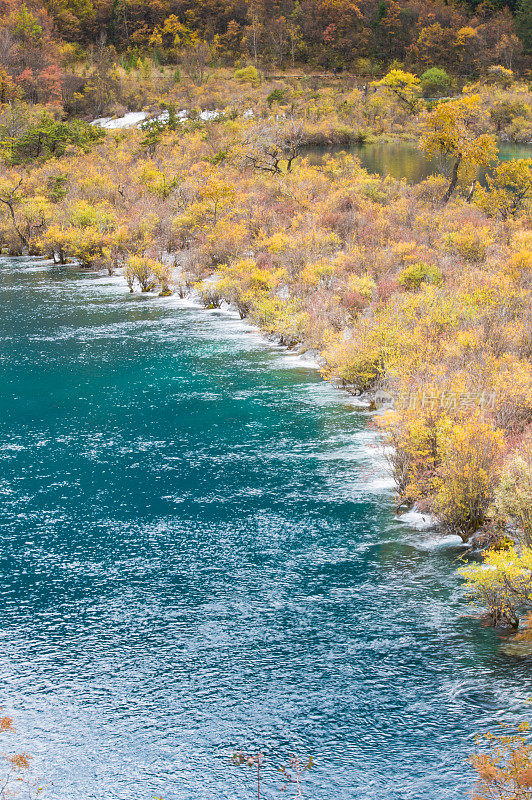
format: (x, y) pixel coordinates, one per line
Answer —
(197, 554)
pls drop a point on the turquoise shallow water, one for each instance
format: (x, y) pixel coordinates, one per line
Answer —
(197, 554)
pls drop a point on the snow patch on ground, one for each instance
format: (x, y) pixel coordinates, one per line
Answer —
(135, 119)
(127, 121)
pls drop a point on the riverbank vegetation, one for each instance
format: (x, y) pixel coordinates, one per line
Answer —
(503, 764)
(420, 293)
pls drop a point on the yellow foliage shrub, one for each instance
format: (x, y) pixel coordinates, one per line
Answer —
(502, 583)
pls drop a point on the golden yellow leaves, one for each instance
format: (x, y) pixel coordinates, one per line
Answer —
(470, 242)
(452, 130)
(147, 272)
(353, 362)
(403, 85)
(362, 284)
(470, 452)
(514, 493)
(508, 189)
(502, 583)
(520, 265)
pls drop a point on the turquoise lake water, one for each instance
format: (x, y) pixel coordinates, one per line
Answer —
(198, 554)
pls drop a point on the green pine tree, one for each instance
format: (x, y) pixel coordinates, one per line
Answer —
(524, 24)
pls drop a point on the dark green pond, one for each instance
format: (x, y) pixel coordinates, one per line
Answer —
(197, 554)
(405, 160)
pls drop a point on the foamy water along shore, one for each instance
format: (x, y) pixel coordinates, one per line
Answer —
(202, 556)
(304, 357)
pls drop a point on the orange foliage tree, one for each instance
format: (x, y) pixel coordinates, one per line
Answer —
(504, 766)
(14, 778)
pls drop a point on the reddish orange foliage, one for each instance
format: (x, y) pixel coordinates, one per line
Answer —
(504, 769)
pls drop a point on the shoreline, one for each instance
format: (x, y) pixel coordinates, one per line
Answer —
(417, 520)
(412, 518)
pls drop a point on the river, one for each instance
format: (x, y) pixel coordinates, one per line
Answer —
(198, 554)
